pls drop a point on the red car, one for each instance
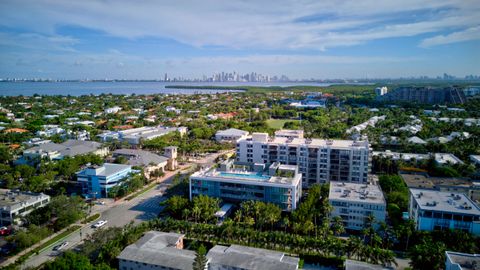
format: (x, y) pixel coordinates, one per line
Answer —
(5, 231)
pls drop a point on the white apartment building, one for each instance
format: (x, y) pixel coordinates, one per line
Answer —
(15, 204)
(380, 91)
(436, 210)
(319, 160)
(355, 202)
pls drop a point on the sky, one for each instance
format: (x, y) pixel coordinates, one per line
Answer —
(144, 39)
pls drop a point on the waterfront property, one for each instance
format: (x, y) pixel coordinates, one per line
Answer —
(249, 258)
(425, 94)
(230, 135)
(319, 161)
(436, 210)
(355, 202)
(157, 250)
(461, 261)
(15, 204)
(96, 181)
(278, 184)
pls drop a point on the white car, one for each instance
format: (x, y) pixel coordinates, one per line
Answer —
(61, 246)
(99, 223)
(100, 202)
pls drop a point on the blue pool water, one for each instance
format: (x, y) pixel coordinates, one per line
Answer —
(257, 176)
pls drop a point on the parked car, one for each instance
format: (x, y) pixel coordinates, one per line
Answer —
(99, 224)
(100, 202)
(61, 246)
(5, 231)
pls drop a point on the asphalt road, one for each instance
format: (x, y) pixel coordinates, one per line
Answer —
(144, 207)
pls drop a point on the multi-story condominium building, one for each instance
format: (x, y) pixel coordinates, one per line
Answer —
(278, 184)
(15, 204)
(424, 94)
(355, 202)
(96, 181)
(230, 135)
(436, 210)
(461, 261)
(319, 160)
(247, 258)
(135, 136)
(157, 250)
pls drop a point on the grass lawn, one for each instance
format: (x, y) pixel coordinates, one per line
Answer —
(278, 123)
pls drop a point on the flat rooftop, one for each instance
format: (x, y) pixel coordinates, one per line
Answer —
(247, 176)
(464, 260)
(423, 181)
(242, 257)
(159, 248)
(318, 142)
(353, 192)
(444, 201)
(106, 170)
(9, 198)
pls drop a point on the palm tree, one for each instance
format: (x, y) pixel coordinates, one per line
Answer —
(337, 225)
(196, 211)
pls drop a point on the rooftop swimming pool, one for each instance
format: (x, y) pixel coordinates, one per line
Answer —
(252, 176)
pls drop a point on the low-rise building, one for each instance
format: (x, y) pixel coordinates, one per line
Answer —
(436, 210)
(149, 161)
(70, 148)
(475, 159)
(461, 261)
(15, 204)
(355, 202)
(445, 184)
(96, 181)
(278, 184)
(248, 258)
(230, 135)
(157, 250)
(289, 133)
(135, 136)
(446, 159)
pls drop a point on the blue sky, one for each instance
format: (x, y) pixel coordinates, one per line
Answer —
(302, 39)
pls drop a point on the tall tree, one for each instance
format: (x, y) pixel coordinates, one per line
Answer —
(200, 262)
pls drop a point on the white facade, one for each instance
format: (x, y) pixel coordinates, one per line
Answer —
(15, 204)
(355, 202)
(436, 210)
(230, 135)
(319, 161)
(447, 158)
(279, 184)
(380, 91)
(135, 135)
(113, 110)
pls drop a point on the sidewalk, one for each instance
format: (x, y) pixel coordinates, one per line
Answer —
(98, 209)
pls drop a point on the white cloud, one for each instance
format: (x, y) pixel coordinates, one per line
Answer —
(244, 24)
(466, 35)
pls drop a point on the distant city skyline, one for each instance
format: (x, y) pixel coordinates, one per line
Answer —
(190, 39)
